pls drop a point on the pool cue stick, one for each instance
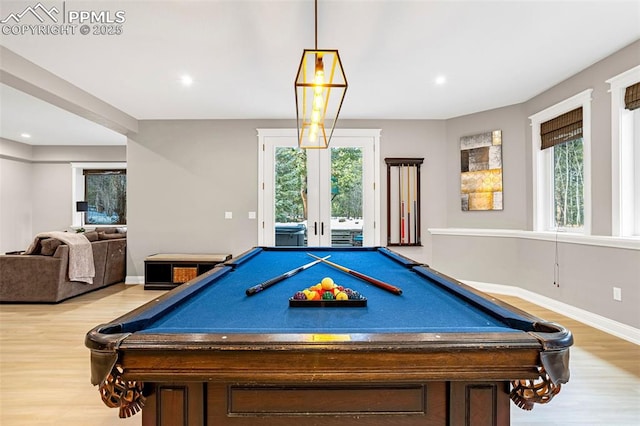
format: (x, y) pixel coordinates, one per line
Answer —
(402, 223)
(408, 204)
(399, 205)
(266, 284)
(401, 172)
(370, 280)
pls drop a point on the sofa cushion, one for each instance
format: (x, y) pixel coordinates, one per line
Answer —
(37, 246)
(114, 236)
(100, 249)
(91, 235)
(48, 246)
(116, 264)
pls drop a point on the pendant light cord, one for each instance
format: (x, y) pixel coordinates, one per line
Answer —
(316, 16)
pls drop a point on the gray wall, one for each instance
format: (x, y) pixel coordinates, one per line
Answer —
(512, 121)
(35, 188)
(15, 195)
(184, 174)
(588, 273)
(52, 197)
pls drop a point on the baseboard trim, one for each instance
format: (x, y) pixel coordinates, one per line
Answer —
(134, 279)
(607, 325)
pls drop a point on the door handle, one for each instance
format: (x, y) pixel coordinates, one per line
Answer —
(321, 228)
(315, 228)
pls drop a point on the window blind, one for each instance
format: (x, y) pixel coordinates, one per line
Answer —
(104, 172)
(563, 128)
(632, 97)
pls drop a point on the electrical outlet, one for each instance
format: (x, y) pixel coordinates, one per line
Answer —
(617, 294)
(228, 215)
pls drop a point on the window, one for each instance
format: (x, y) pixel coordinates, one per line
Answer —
(106, 195)
(561, 152)
(625, 153)
(562, 136)
(104, 187)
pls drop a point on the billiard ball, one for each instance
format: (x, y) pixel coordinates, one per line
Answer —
(327, 295)
(327, 283)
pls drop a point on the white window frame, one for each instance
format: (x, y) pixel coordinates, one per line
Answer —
(624, 159)
(77, 187)
(543, 218)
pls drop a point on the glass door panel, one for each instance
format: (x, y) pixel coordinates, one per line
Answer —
(346, 218)
(291, 195)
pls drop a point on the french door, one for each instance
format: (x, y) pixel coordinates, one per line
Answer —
(318, 197)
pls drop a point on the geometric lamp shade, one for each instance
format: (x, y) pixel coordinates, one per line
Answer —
(320, 88)
(82, 207)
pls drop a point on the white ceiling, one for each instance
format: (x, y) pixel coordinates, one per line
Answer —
(47, 124)
(243, 55)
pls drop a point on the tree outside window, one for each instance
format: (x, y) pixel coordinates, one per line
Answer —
(291, 185)
(106, 195)
(346, 182)
(568, 188)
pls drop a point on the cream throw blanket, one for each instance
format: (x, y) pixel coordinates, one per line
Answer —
(81, 267)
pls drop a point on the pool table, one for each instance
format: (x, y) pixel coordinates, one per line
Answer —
(439, 353)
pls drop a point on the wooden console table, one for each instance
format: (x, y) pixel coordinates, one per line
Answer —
(164, 271)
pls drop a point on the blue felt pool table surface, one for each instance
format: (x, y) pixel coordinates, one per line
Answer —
(429, 303)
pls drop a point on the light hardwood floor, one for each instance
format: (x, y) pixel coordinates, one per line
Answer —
(44, 367)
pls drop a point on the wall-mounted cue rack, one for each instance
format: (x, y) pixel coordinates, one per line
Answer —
(403, 201)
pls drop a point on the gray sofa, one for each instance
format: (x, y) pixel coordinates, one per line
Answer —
(44, 277)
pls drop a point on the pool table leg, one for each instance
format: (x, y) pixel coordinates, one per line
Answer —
(479, 403)
(175, 404)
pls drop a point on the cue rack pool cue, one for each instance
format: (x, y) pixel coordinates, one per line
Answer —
(400, 205)
(402, 202)
(381, 284)
(409, 205)
(275, 280)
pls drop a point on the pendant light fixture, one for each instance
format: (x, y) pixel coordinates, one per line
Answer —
(320, 88)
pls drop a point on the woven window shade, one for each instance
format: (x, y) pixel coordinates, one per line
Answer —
(563, 128)
(104, 172)
(632, 97)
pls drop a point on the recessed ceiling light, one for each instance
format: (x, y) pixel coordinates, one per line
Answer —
(440, 80)
(25, 135)
(186, 80)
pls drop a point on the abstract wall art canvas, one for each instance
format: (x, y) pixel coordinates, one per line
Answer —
(481, 171)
